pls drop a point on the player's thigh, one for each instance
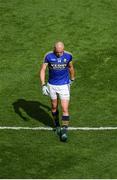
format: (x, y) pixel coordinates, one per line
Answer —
(52, 91)
(64, 92)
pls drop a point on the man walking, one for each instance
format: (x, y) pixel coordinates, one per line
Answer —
(61, 75)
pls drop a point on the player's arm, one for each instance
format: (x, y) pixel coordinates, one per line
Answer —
(71, 71)
(42, 73)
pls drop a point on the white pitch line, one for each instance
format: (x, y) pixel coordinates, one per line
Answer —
(49, 128)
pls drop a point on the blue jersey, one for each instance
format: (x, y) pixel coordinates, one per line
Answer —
(58, 68)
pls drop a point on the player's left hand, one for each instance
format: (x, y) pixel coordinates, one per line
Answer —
(71, 81)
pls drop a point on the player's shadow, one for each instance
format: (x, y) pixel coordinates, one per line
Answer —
(33, 109)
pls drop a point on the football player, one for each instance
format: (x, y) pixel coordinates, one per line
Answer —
(61, 75)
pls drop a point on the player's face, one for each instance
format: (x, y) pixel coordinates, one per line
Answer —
(59, 51)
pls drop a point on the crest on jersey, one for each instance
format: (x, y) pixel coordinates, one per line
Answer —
(65, 60)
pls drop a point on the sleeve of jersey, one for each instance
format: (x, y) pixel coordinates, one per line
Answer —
(45, 59)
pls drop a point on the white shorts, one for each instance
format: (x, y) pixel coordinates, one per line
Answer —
(62, 90)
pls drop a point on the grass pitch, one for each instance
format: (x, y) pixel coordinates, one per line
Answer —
(28, 30)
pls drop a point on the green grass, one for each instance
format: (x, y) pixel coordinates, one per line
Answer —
(41, 155)
(28, 29)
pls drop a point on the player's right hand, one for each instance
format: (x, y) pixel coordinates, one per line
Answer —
(45, 90)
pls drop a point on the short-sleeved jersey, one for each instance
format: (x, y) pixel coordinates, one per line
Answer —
(58, 67)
